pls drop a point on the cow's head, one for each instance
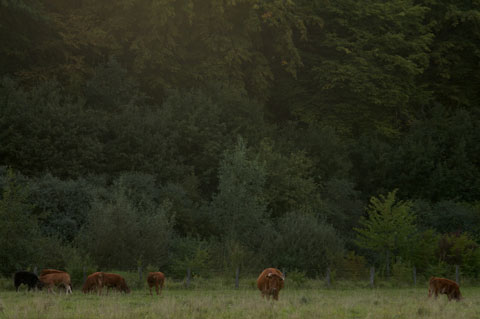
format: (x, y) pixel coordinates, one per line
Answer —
(126, 289)
(275, 282)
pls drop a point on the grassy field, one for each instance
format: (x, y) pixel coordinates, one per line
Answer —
(244, 303)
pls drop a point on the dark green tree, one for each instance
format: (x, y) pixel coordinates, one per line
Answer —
(19, 232)
(238, 209)
(362, 59)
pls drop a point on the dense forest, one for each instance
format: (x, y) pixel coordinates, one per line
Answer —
(215, 134)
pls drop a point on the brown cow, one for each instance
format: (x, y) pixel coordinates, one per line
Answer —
(57, 279)
(155, 279)
(94, 282)
(270, 281)
(115, 281)
(444, 286)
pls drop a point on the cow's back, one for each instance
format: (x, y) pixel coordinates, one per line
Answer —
(50, 271)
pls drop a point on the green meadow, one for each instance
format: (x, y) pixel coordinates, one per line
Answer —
(355, 303)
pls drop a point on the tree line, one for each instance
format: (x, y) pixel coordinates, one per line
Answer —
(218, 134)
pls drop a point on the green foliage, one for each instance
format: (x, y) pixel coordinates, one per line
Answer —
(19, 231)
(402, 272)
(450, 75)
(238, 210)
(362, 64)
(77, 264)
(302, 241)
(121, 119)
(423, 251)
(437, 159)
(390, 228)
(341, 206)
(460, 250)
(121, 232)
(448, 216)
(352, 266)
(61, 206)
(297, 278)
(193, 254)
(111, 88)
(289, 176)
(61, 136)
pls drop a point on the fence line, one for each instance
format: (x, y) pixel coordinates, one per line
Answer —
(332, 275)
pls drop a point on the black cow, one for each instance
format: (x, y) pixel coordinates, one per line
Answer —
(27, 278)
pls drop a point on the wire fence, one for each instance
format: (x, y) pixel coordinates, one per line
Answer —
(331, 277)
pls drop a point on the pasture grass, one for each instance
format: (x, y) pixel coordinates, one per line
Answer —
(356, 303)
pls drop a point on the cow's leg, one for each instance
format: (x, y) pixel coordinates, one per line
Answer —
(156, 287)
(275, 295)
(150, 288)
(68, 289)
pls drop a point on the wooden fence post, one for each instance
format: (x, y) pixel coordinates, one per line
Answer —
(188, 277)
(35, 270)
(372, 276)
(327, 277)
(457, 274)
(414, 276)
(237, 279)
(140, 276)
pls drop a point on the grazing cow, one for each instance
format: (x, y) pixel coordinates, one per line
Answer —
(27, 278)
(53, 279)
(115, 281)
(444, 286)
(155, 279)
(93, 282)
(270, 281)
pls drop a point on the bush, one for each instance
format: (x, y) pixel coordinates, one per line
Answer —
(352, 266)
(402, 273)
(297, 278)
(302, 241)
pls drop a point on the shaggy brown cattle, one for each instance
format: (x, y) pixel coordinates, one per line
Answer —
(53, 279)
(444, 286)
(115, 281)
(93, 282)
(155, 279)
(270, 281)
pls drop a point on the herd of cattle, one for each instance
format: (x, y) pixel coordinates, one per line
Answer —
(270, 282)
